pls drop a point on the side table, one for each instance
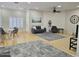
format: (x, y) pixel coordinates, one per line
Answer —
(60, 30)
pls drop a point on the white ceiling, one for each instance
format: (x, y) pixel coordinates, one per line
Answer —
(43, 6)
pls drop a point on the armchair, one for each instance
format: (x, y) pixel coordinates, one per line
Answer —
(54, 29)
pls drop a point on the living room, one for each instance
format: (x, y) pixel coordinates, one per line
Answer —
(27, 17)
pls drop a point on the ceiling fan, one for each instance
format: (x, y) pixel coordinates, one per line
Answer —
(16, 2)
(55, 10)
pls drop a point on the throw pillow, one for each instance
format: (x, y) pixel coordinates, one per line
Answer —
(34, 27)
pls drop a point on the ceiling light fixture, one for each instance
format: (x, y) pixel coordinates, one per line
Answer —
(16, 2)
(59, 6)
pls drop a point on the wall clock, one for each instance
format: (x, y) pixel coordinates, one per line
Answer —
(74, 19)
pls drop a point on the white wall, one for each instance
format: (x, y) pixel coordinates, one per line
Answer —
(29, 15)
(71, 28)
(58, 19)
(35, 14)
(28, 21)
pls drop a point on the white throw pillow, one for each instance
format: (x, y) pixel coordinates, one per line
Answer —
(34, 27)
(42, 27)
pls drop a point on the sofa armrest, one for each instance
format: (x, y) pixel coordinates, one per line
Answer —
(33, 30)
(45, 29)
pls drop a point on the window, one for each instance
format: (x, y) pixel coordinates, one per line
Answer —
(16, 22)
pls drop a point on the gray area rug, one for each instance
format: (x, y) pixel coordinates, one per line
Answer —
(36, 49)
(5, 52)
(50, 36)
(32, 49)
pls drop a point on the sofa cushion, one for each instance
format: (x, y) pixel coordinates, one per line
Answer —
(38, 27)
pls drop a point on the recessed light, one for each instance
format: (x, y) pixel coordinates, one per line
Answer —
(59, 6)
(29, 2)
(78, 6)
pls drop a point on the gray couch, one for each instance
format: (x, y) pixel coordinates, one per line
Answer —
(38, 29)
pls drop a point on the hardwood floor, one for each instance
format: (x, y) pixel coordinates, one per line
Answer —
(62, 44)
(20, 38)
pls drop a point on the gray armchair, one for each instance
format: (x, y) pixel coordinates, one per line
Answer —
(54, 29)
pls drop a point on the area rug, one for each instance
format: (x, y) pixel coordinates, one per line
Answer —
(36, 49)
(50, 36)
(5, 52)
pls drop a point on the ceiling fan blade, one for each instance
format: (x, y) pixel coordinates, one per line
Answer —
(55, 10)
(58, 11)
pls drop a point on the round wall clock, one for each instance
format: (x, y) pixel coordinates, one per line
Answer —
(74, 19)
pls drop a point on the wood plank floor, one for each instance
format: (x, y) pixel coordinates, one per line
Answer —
(62, 44)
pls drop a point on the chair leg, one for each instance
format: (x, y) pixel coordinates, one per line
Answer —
(70, 44)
